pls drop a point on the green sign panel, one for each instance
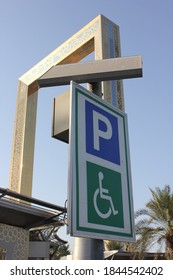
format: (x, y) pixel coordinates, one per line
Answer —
(104, 196)
(100, 192)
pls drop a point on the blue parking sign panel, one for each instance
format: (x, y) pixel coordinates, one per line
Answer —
(102, 138)
(100, 203)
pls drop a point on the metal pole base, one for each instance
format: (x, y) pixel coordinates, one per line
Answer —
(88, 249)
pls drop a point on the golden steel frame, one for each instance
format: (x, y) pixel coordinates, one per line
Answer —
(101, 36)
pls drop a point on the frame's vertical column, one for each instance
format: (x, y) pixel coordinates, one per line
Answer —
(21, 169)
(107, 45)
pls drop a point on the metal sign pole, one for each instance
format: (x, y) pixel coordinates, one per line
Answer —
(88, 249)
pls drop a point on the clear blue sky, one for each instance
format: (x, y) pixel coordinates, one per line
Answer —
(30, 30)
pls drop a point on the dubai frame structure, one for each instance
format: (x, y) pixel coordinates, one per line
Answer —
(100, 36)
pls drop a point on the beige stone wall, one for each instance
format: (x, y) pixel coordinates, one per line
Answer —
(15, 241)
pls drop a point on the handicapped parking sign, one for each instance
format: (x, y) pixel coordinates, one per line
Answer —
(100, 203)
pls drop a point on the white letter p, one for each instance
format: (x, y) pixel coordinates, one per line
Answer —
(100, 133)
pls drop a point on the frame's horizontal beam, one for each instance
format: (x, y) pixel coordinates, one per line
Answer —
(93, 71)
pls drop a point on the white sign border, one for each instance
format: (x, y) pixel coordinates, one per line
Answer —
(77, 220)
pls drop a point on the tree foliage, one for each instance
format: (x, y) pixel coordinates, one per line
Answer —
(113, 245)
(155, 222)
(56, 253)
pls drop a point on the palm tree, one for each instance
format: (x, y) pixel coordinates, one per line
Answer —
(156, 223)
(113, 245)
(60, 251)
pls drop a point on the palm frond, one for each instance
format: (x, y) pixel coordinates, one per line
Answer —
(154, 224)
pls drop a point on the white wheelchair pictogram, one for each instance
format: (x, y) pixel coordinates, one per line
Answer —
(104, 194)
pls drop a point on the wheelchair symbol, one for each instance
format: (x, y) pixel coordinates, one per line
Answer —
(104, 194)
